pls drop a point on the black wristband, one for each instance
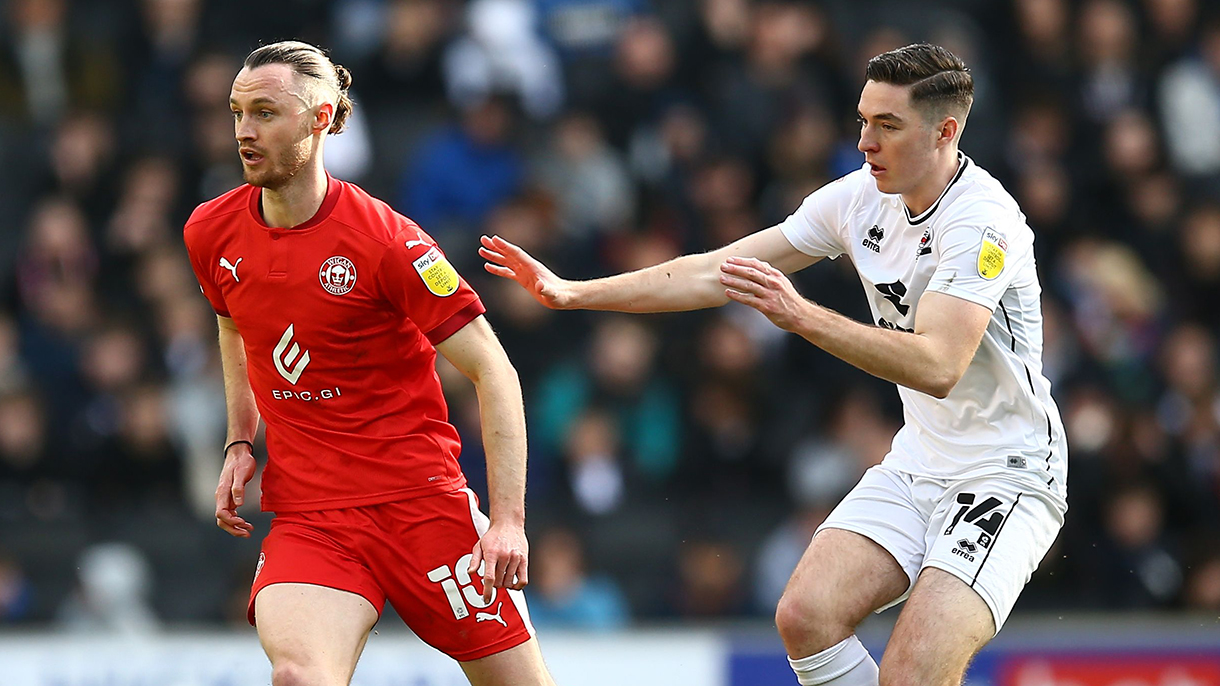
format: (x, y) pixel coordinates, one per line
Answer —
(226, 453)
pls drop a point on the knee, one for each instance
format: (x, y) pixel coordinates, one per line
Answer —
(909, 670)
(920, 663)
(897, 671)
(291, 673)
(808, 625)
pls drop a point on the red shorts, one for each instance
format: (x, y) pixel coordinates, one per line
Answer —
(414, 553)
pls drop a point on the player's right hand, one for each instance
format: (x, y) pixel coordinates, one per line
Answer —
(511, 262)
(231, 492)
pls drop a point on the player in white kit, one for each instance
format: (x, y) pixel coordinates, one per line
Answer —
(973, 492)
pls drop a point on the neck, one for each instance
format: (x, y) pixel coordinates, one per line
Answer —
(297, 201)
(921, 197)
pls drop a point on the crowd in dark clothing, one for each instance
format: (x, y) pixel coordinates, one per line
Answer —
(679, 462)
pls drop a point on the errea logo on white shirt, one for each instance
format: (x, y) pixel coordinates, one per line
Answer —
(873, 240)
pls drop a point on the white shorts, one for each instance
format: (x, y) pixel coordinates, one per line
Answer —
(991, 532)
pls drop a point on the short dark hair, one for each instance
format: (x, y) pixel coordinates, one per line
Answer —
(312, 61)
(940, 81)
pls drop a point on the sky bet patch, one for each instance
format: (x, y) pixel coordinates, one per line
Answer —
(991, 254)
(439, 276)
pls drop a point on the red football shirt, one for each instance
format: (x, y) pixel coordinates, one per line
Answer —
(339, 316)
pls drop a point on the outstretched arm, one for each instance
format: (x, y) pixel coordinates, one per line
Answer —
(690, 282)
(477, 353)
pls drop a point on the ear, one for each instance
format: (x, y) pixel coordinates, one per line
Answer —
(323, 118)
(947, 132)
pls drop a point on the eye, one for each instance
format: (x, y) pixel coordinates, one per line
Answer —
(888, 127)
(265, 114)
(236, 115)
(860, 120)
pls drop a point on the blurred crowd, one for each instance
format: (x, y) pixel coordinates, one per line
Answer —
(678, 463)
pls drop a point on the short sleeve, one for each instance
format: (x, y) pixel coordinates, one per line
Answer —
(417, 279)
(977, 260)
(815, 228)
(203, 275)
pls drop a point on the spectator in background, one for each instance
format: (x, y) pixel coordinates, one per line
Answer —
(620, 377)
(1043, 46)
(1117, 305)
(48, 67)
(1189, 87)
(55, 276)
(112, 598)
(595, 465)
(139, 467)
(645, 82)
(1137, 566)
(82, 157)
(729, 397)
(1173, 26)
(584, 33)
(774, 78)
(1187, 414)
(798, 158)
(400, 44)
(16, 594)
(1203, 585)
(564, 596)
(437, 190)
(1112, 75)
(30, 484)
(710, 581)
(157, 60)
(503, 54)
(587, 178)
(1196, 280)
(13, 373)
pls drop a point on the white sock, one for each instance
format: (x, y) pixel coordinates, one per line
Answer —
(846, 663)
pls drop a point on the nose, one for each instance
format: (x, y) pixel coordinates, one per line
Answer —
(243, 129)
(867, 143)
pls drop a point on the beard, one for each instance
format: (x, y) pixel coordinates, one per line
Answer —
(279, 171)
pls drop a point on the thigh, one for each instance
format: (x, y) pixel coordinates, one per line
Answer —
(316, 631)
(422, 560)
(991, 533)
(519, 666)
(942, 626)
(313, 548)
(844, 575)
(883, 509)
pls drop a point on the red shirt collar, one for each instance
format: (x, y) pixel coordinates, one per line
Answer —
(333, 188)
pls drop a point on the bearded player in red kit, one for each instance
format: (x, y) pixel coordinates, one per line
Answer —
(331, 307)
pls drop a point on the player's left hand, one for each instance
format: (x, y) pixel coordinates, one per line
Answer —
(765, 288)
(504, 554)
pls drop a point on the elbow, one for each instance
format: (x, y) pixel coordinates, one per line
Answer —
(498, 371)
(941, 383)
(940, 392)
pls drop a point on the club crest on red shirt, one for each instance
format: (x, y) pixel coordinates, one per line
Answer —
(338, 275)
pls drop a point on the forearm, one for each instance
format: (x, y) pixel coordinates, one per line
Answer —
(503, 419)
(905, 358)
(239, 397)
(685, 283)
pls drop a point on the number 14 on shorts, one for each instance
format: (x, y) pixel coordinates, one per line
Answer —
(459, 588)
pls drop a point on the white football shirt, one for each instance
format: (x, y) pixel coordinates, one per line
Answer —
(972, 243)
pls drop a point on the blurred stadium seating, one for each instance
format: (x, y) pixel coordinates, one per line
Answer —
(690, 454)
